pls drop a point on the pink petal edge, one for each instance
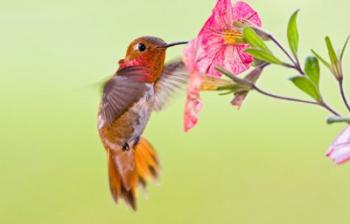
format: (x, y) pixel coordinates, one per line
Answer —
(339, 151)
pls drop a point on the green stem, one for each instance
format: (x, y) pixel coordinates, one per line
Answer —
(342, 93)
(265, 93)
(295, 63)
(330, 109)
(322, 104)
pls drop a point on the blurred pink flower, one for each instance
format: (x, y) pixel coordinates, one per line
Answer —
(193, 103)
(219, 43)
(339, 151)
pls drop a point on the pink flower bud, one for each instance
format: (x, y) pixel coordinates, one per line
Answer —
(339, 151)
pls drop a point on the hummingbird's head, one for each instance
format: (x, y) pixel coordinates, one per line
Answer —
(148, 52)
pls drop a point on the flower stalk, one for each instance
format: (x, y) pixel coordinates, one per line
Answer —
(342, 93)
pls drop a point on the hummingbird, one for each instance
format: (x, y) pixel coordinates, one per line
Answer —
(142, 84)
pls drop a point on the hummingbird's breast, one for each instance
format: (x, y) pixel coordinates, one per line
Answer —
(128, 127)
(142, 109)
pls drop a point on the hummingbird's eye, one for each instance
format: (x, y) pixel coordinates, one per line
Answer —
(141, 47)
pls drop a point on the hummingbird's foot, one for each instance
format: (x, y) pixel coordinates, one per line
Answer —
(126, 147)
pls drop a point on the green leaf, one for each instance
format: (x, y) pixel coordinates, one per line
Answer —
(264, 56)
(344, 48)
(293, 34)
(232, 87)
(260, 32)
(306, 85)
(336, 67)
(332, 120)
(254, 40)
(228, 92)
(312, 69)
(332, 55)
(319, 57)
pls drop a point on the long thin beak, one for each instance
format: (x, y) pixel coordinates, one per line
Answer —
(174, 44)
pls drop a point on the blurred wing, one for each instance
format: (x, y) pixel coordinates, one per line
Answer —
(121, 92)
(174, 76)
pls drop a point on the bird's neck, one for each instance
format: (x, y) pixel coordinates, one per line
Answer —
(152, 68)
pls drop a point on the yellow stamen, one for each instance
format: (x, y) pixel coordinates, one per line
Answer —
(231, 37)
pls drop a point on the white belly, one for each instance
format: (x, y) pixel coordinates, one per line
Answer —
(144, 109)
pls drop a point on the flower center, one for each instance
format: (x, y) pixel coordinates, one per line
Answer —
(231, 37)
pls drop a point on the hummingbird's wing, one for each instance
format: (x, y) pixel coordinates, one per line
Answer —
(121, 92)
(174, 77)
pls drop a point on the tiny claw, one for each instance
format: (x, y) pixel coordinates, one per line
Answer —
(126, 147)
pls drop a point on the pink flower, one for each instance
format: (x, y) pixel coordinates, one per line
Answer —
(219, 43)
(193, 103)
(222, 42)
(339, 151)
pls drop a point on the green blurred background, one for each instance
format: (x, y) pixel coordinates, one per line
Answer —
(262, 164)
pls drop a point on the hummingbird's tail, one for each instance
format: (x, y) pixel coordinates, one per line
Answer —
(131, 168)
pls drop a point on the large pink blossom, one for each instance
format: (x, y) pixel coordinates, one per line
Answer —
(219, 43)
(339, 151)
(222, 42)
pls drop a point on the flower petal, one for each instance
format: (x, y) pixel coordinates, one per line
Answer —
(214, 50)
(192, 108)
(221, 17)
(232, 58)
(340, 154)
(211, 38)
(244, 12)
(339, 151)
(217, 44)
(189, 55)
(236, 60)
(211, 47)
(193, 104)
(343, 137)
(239, 98)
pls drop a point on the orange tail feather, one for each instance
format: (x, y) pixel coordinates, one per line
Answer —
(128, 169)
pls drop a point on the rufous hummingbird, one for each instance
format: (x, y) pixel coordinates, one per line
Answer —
(141, 85)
